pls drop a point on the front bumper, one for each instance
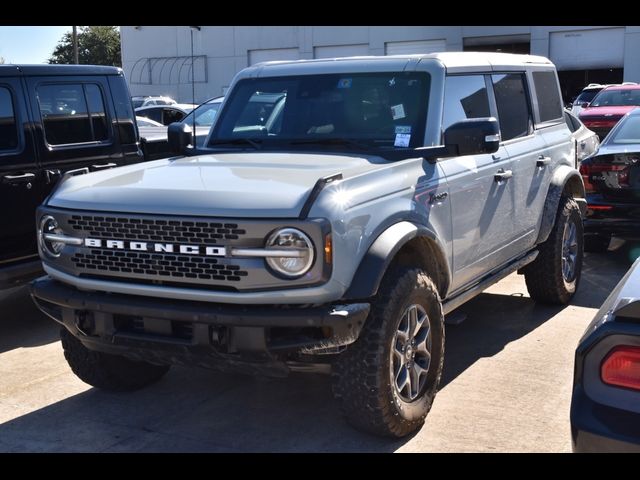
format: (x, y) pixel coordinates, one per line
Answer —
(601, 428)
(18, 273)
(237, 337)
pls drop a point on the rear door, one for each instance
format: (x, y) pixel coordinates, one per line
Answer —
(21, 181)
(74, 119)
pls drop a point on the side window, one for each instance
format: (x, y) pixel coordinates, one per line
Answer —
(465, 96)
(8, 129)
(548, 95)
(66, 117)
(97, 112)
(513, 107)
(171, 116)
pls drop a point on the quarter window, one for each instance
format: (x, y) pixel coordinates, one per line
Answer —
(548, 95)
(72, 113)
(465, 97)
(8, 130)
(513, 107)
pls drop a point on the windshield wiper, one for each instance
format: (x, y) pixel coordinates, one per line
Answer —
(330, 141)
(257, 144)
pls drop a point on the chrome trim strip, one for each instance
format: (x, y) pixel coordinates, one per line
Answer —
(52, 237)
(268, 252)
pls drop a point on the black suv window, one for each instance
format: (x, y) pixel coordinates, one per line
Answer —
(66, 117)
(548, 95)
(465, 96)
(8, 130)
(513, 107)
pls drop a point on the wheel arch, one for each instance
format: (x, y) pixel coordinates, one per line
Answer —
(403, 243)
(565, 181)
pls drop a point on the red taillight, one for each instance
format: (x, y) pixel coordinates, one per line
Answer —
(621, 367)
(618, 174)
(600, 207)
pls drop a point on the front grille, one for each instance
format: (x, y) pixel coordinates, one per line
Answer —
(163, 265)
(159, 230)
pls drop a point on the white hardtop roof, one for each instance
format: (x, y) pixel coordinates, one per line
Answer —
(451, 60)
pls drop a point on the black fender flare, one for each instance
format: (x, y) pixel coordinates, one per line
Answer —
(564, 179)
(368, 276)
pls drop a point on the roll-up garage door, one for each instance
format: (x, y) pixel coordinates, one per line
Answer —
(587, 49)
(421, 46)
(267, 55)
(341, 51)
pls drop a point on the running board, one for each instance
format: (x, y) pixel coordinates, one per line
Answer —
(451, 304)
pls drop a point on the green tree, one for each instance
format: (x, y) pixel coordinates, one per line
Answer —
(96, 46)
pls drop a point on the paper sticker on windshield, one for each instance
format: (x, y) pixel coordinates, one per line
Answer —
(402, 140)
(397, 112)
(344, 83)
(403, 129)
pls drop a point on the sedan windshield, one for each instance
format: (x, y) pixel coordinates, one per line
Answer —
(363, 110)
(614, 98)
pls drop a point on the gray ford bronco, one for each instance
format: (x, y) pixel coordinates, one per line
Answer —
(337, 212)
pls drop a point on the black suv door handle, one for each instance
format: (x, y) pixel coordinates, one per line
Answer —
(24, 178)
(502, 175)
(104, 165)
(543, 161)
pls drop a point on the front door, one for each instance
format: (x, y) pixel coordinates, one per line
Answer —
(21, 181)
(480, 187)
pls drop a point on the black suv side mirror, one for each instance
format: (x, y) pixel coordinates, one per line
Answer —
(473, 136)
(180, 136)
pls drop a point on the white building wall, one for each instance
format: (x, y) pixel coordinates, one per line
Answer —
(228, 48)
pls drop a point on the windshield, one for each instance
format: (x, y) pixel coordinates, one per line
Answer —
(205, 114)
(628, 131)
(613, 98)
(364, 109)
(587, 96)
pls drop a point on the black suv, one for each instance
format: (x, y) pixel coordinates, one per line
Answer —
(55, 120)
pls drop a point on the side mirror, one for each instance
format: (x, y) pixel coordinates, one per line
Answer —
(180, 136)
(473, 136)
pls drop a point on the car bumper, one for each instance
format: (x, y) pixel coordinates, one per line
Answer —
(19, 273)
(228, 337)
(601, 428)
(611, 218)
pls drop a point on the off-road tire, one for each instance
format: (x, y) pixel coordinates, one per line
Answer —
(362, 374)
(596, 243)
(108, 372)
(544, 278)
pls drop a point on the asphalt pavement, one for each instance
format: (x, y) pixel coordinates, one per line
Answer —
(506, 387)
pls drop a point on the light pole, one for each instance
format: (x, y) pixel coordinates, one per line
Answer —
(74, 37)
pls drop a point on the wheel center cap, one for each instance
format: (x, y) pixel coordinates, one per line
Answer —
(409, 352)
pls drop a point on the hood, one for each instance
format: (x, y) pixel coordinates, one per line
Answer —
(254, 184)
(614, 111)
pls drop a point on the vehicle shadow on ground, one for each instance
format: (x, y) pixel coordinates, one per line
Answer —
(21, 323)
(495, 320)
(193, 410)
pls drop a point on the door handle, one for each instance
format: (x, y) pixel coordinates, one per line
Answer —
(23, 178)
(438, 197)
(104, 165)
(496, 157)
(543, 161)
(502, 175)
(52, 175)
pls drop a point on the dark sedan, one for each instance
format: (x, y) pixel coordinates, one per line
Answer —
(605, 407)
(612, 182)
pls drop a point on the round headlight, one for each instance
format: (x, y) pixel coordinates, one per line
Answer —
(299, 260)
(49, 225)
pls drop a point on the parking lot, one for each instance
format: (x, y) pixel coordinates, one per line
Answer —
(506, 387)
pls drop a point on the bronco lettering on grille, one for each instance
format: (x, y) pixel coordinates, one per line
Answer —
(207, 250)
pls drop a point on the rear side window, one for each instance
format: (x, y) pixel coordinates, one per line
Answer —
(548, 95)
(72, 113)
(465, 96)
(513, 107)
(8, 130)
(154, 114)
